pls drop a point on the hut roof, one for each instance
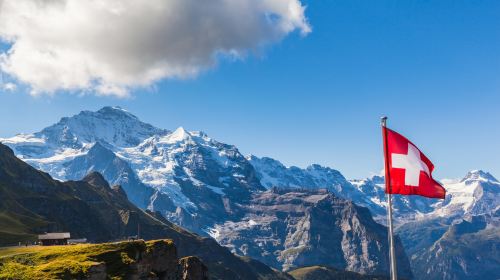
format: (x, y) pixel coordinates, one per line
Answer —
(54, 235)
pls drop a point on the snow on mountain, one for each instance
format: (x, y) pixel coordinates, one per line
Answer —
(273, 173)
(479, 175)
(73, 136)
(477, 193)
(373, 188)
(161, 161)
(405, 207)
(159, 169)
(112, 125)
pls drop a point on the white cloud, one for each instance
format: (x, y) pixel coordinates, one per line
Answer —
(9, 87)
(109, 46)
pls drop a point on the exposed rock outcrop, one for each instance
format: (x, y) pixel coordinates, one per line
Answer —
(290, 228)
(191, 268)
(460, 238)
(328, 273)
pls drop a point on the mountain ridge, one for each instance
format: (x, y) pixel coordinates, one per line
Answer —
(32, 202)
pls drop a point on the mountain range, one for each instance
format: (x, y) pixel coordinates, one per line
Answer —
(286, 217)
(32, 202)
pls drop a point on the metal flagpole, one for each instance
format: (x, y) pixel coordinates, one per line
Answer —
(392, 255)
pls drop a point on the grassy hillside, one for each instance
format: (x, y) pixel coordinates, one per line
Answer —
(73, 262)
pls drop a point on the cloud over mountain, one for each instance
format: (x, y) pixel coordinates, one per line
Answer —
(110, 46)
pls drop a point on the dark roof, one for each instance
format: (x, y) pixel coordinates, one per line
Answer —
(54, 235)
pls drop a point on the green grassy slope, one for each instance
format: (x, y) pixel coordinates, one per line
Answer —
(71, 262)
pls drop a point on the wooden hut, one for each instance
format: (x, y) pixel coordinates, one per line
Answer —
(54, 238)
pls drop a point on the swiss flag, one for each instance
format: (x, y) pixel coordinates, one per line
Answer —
(408, 171)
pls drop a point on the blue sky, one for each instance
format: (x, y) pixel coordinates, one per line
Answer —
(432, 67)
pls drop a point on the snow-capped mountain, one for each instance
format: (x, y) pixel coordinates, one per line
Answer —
(405, 207)
(189, 177)
(74, 136)
(476, 194)
(273, 173)
(112, 125)
(196, 181)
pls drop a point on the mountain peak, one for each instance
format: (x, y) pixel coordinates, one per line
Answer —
(5, 150)
(115, 110)
(478, 175)
(96, 179)
(377, 179)
(180, 134)
(112, 125)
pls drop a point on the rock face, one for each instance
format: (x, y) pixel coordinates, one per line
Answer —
(328, 273)
(469, 249)
(191, 268)
(159, 262)
(155, 260)
(289, 229)
(32, 202)
(103, 160)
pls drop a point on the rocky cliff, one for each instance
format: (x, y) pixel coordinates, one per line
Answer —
(467, 249)
(289, 229)
(328, 273)
(460, 238)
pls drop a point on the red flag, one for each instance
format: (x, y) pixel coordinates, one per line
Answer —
(408, 170)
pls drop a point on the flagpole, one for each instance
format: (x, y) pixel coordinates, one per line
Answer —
(392, 255)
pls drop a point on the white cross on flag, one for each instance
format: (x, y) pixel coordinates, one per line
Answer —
(408, 170)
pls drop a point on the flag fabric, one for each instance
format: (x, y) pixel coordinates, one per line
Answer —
(407, 170)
